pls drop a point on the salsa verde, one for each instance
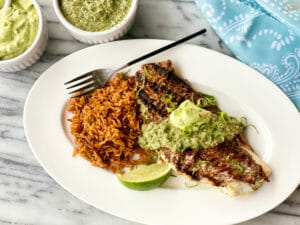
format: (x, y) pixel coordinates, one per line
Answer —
(189, 126)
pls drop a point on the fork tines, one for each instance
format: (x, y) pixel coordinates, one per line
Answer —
(85, 82)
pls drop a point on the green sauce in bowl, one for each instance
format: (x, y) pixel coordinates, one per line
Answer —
(19, 25)
(94, 15)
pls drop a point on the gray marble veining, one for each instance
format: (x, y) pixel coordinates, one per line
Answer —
(27, 194)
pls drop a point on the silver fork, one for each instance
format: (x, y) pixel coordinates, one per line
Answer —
(89, 82)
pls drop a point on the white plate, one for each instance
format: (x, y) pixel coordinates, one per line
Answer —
(240, 90)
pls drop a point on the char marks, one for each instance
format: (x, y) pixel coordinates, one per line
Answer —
(220, 167)
(163, 81)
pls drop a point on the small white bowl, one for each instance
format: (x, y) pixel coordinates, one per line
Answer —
(102, 36)
(34, 52)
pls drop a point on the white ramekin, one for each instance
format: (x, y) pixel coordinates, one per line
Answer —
(34, 52)
(103, 36)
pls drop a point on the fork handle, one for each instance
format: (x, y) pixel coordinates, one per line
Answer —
(165, 47)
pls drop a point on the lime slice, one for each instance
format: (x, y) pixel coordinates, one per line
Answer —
(146, 177)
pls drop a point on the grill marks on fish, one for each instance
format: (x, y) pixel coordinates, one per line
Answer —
(153, 106)
(221, 168)
(163, 80)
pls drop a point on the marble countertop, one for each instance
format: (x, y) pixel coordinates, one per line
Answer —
(27, 194)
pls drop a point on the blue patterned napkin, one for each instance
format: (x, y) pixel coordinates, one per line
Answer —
(264, 34)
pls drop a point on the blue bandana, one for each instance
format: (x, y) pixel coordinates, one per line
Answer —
(265, 34)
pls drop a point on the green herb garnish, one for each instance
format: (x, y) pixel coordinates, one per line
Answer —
(238, 166)
(148, 160)
(170, 109)
(195, 170)
(211, 99)
(147, 72)
(202, 102)
(219, 134)
(224, 116)
(204, 161)
(243, 121)
(143, 85)
(187, 130)
(197, 128)
(167, 99)
(121, 75)
(144, 80)
(190, 186)
(127, 71)
(201, 127)
(251, 125)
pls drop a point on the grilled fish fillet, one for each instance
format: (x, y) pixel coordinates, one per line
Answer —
(222, 173)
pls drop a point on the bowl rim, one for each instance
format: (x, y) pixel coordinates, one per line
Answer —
(77, 30)
(36, 40)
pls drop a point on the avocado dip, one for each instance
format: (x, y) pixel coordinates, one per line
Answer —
(2, 2)
(95, 15)
(189, 126)
(19, 25)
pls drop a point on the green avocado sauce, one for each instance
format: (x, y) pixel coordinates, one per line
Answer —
(189, 126)
(2, 2)
(95, 15)
(19, 25)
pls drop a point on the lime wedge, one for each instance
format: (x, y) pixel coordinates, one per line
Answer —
(146, 177)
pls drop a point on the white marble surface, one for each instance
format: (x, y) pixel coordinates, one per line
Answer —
(27, 194)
